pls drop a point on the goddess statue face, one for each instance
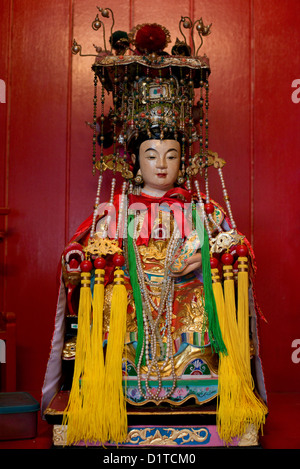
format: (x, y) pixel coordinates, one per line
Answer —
(159, 164)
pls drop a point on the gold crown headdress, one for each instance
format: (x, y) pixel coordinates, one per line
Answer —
(150, 88)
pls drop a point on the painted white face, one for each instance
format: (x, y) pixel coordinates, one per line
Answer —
(159, 164)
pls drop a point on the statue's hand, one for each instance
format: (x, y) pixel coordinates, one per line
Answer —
(193, 262)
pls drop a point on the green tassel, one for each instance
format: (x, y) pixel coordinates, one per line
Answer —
(136, 292)
(214, 330)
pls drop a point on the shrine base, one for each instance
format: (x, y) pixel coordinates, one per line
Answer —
(163, 426)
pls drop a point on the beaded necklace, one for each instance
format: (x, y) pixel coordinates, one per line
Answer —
(152, 336)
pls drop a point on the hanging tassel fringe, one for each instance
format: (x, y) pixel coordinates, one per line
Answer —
(243, 309)
(95, 393)
(74, 415)
(238, 406)
(96, 409)
(115, 415)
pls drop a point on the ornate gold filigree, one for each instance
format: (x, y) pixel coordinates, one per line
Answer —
(191, 314)
(199, 163)
(214, 160)
(194, 166)
(59, 435)
(250, 437)
(98, 246)
(155, 250)
(224, 241)
(69, 350)
(120, 166)
(147, 436)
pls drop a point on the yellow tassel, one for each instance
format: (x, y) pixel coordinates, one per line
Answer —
(219, 297)
(73, 415)
(115, 407)
(238, 406)
(228, 381)
(243, 310)
(94, 404)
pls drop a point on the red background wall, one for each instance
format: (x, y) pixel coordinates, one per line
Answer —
(45, 166)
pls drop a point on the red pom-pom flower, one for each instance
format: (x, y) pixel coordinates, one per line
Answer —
(150, 38)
